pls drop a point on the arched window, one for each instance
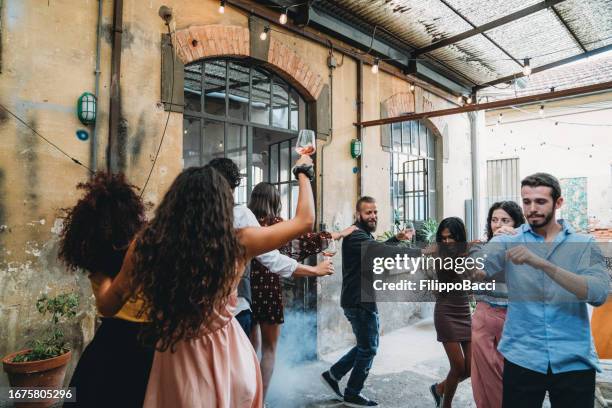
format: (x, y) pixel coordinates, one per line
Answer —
(238, 109)
(413, 175)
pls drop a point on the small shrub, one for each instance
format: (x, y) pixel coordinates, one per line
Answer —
(52, 344)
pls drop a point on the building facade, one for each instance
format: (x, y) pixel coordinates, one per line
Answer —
(218, 90)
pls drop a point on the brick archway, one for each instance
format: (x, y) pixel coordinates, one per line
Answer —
(197, 42)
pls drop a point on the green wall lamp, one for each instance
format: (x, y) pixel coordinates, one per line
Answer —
(86, 108)
(355, 148)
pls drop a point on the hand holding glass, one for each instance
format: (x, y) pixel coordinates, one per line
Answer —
(306, 142)
(331, 249)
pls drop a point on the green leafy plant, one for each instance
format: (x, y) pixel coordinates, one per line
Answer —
(427, 232)
(62, 308)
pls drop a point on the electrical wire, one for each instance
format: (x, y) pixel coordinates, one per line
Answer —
(23, 122)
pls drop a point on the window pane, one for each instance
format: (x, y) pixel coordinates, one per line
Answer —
(280, 99)
(431, 152)
(406, 137)
(396, 136)
(236, 145)
(193, 87)
(236, 150)
(284, 193)
(274, 163)
(214, 88)
(260, 97)
(302, 110)
(414, 140)
(294, 113)
(423, 140)
(191, 142)
(284, 161)
(238, 91)
(213, 141)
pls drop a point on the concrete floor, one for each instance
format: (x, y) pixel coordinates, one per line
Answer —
(409, 360)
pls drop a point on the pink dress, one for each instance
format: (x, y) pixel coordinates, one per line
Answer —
(219, 369)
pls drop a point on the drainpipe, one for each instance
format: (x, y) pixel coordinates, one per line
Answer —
(115, 89)
(360, 128)
(322, 225)
(473, 118)
(94, 137)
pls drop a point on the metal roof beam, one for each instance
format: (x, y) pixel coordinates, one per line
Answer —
(565, 93)
(569, 30)
(488, 26)
(545, 67)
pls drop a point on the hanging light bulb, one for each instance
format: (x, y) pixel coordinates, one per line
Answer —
(222, 7)
(264, 34)
(411, 87)
(541, 111)
(460, 99)
(283, 17)
(375, 66)
(526, 67)
(469, 99)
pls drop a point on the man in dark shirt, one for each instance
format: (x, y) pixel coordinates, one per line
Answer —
(363, 316)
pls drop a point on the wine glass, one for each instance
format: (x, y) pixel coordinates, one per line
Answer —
(306, 143)
(330, 250)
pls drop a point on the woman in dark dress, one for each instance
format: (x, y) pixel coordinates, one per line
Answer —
(266, 287)
(452, 318)
(113, 369)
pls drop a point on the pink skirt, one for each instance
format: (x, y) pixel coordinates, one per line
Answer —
(219, 369)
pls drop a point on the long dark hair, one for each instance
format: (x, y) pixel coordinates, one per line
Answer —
(456, 228)
(265, 202)
(514, 211)
(99, 228)
(185, 259)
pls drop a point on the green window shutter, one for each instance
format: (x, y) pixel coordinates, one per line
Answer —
(171, 78)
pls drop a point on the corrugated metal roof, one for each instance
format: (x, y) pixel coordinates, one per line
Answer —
(544, 36)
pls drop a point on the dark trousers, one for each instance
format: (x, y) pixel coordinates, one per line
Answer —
(245, 319)
(524, 388)
(365, 325)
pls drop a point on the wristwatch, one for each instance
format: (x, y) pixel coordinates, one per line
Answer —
(306, 169)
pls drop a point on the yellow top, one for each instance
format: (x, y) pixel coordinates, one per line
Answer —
(130, 309)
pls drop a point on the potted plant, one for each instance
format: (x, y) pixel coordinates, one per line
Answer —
(427, 231)
(44, 363)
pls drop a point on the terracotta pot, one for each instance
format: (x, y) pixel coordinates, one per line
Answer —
(47, 373)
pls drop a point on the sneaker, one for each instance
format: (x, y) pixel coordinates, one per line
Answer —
(331, 384)
(435, 395)
(358, 401)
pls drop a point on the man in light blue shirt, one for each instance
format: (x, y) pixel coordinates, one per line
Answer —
(551, 273)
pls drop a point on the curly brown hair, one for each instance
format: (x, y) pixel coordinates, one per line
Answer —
(185, 259)
(99, 228)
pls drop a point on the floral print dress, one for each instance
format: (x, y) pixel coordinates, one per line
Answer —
(266, 287)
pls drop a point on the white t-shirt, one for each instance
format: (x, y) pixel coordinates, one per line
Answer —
(275, 261)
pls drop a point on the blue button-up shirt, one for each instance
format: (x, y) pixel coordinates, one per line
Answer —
(546, 325)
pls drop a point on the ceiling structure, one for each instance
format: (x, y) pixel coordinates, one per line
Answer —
(464, 45)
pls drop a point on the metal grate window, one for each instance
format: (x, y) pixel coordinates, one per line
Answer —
(503, 181)
(413, 183)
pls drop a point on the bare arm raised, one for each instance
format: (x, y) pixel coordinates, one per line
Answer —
(257, 241)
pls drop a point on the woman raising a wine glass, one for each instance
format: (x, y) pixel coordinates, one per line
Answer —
(266, 289)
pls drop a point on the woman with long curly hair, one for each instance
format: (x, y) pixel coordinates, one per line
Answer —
(95, 237)
(266, 287)
(186, 265)
(452, 318)
(490, 315)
